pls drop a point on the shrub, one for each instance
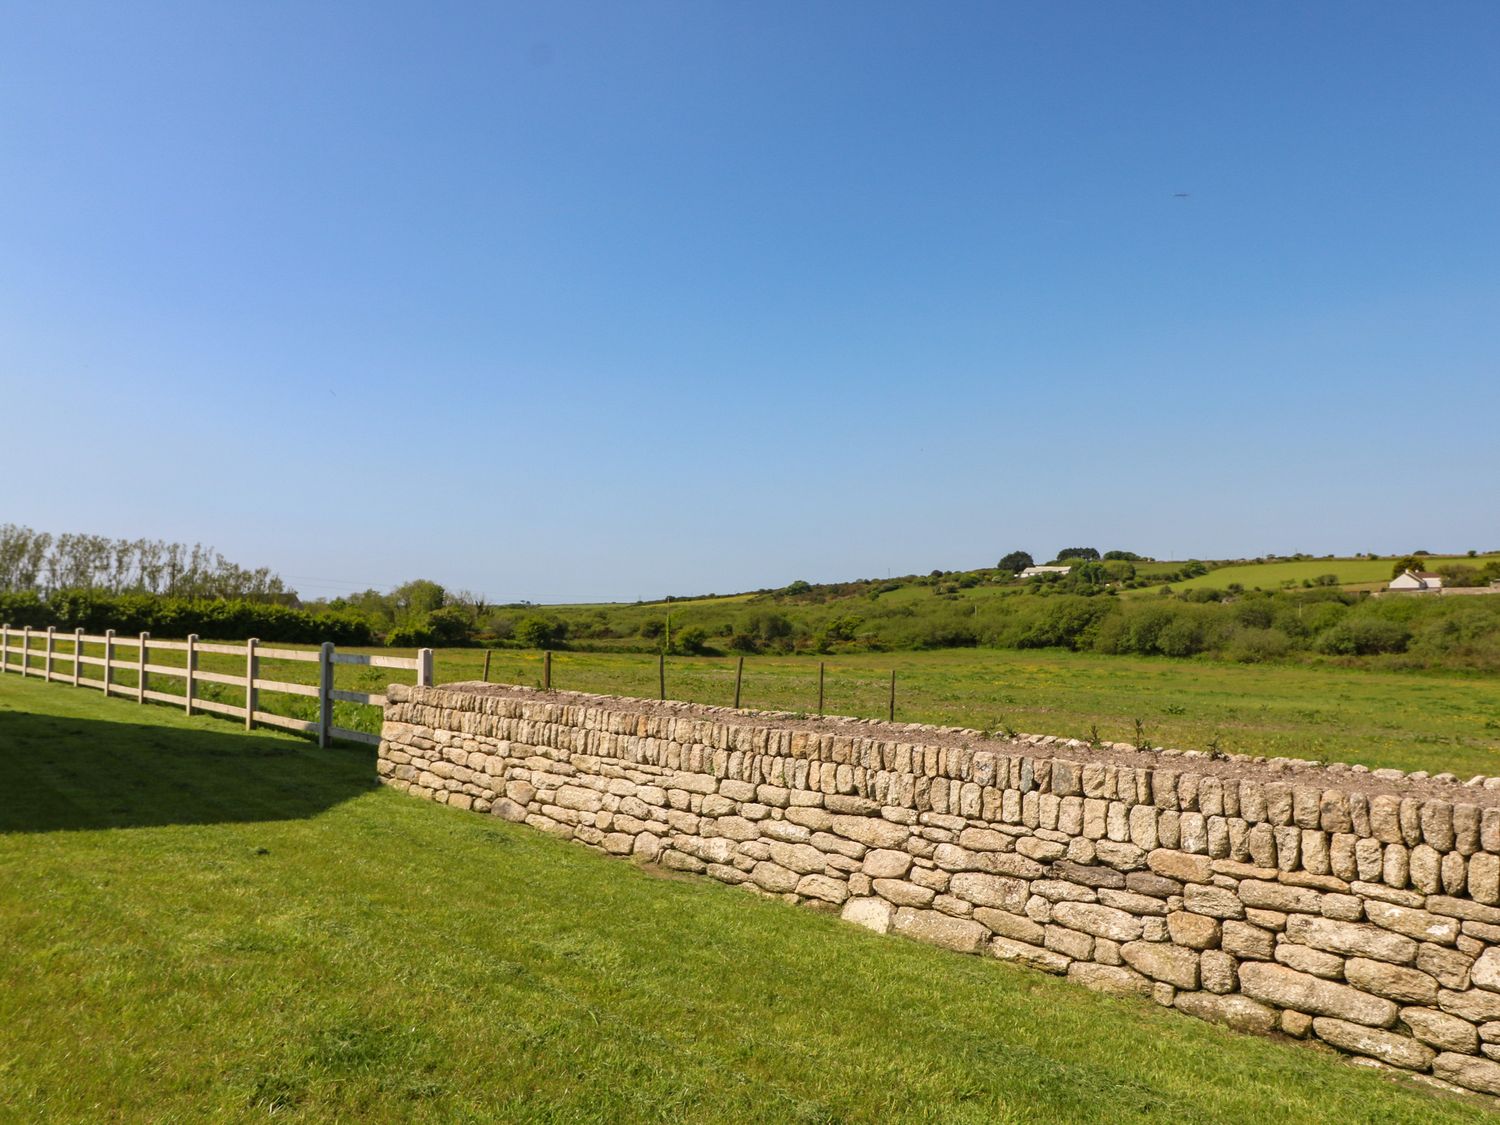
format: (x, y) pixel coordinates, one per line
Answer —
(1251, 645)
(540, 632)
(450, 626)
(692, 640)
(416, 634)
(1365, 636)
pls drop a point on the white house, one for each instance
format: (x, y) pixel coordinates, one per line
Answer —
(1038, 571)
(1416, 581)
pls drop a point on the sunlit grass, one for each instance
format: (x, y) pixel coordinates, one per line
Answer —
(204, 924)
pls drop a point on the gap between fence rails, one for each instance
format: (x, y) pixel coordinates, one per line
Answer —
(189, 674)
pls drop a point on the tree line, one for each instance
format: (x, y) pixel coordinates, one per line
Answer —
(42, 563)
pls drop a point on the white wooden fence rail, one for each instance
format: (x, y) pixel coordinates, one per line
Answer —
(250, 681)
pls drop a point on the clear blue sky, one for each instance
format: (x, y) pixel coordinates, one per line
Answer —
(615, 300)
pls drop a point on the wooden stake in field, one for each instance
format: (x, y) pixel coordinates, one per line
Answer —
(547, 670)
(661, 674)
(892, 713)
(820, 689)
(739, 676)
(487, 654)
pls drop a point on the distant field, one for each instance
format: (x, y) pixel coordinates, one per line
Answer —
(1350, 572)
(1432, 721)
(201, 924)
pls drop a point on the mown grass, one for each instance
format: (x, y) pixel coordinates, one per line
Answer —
(1349, 572)
(1438, 722)
(204, 924)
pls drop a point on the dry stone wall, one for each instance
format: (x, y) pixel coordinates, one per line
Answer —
(1358, 908)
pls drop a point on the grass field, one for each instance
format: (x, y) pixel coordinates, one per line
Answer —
(1350, 572)
(205, 924)
(1432, 721)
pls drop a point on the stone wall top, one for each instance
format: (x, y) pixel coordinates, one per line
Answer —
(967, 755)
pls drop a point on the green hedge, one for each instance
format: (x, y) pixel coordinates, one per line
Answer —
(218, 619)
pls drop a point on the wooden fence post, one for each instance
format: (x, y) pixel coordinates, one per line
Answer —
(252, 666)
(661, 674)
(77, 652)
(892, 714)
(25, 648)
(547, 670)
(47, 660)
(820, 689)
(739, 675)
(187, 678)
(424, 667)
(489, 652)
(140, 671)
(325, 692)
(4, 648)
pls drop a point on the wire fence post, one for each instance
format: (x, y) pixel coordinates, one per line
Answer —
(547, 670)
(820, 689)
(77, 656)
(892, 710)
(140, 670)
(489, 652)
(661, 675)
(739, 676)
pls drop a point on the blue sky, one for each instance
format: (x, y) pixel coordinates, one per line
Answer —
(609, 301)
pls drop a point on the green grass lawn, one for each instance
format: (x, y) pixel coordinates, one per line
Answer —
(1410, 720)
(204, 924)
(1436, 722)
(1350, 572)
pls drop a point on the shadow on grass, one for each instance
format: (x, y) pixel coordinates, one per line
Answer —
(63, 772)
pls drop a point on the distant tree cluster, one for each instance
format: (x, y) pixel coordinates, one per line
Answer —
(42, 563)
(1015, 562)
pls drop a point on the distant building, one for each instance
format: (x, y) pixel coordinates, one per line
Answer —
(1038, 571)
(1416, 581)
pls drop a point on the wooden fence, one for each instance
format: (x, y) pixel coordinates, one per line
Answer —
(137, 659)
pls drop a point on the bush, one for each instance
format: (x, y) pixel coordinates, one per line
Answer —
(1365, 636)
(450, 626)
(1251, 646)
(540, 632)
(413, 635)
(209, 618)
(692, 640)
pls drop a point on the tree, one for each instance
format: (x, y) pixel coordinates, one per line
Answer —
(539, 632)
(418, 597)
(1015, 562)
(1085, 553)
(1406, 562)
